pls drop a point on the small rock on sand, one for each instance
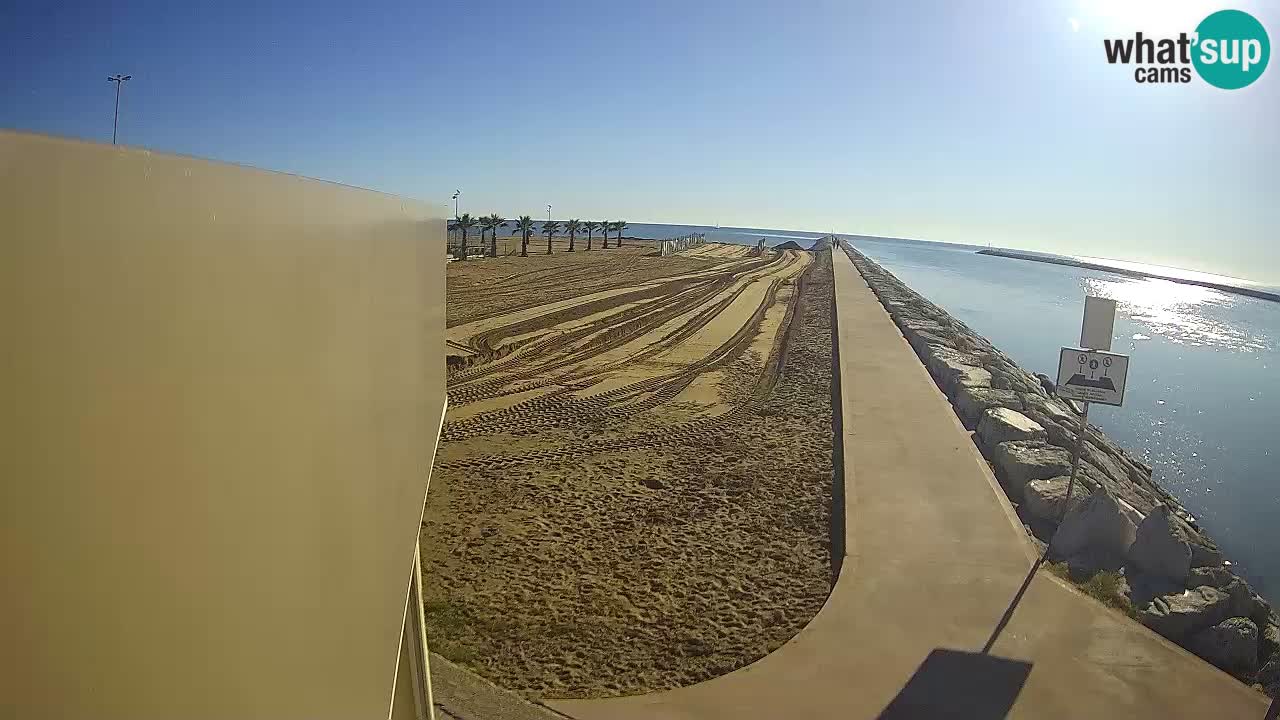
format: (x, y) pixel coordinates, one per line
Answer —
(653, 483)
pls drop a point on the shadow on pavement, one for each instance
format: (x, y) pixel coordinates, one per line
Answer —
(959, 684)
(1008, 613)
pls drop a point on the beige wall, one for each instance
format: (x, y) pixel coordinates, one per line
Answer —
(220, 391)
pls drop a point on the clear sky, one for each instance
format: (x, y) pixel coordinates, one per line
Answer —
(960, 121)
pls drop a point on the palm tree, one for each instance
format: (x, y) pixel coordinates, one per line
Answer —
(619, 227)
(591, 226)
(492, 223)
(605, 228)
(464, 222)
(572, 227)
(550, 229)
(525, 226)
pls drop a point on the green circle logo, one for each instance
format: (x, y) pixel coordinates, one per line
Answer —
(1232, 49)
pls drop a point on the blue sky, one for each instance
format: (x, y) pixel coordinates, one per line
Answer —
(959, 121)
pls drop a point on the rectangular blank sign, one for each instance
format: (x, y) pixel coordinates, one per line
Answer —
(1099, 323)
(1092, 376)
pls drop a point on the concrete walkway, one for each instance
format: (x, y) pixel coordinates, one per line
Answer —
(459, 694)
(933, 557)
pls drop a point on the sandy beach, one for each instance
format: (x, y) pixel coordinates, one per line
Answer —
(633, 486)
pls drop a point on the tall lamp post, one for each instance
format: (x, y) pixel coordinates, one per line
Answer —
(456, 193)
(115, 123)
(548, 212)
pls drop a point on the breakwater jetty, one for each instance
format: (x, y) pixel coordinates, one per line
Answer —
(1128, 272)
(1118, 521)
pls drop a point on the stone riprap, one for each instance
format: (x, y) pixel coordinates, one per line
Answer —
(1175, 572)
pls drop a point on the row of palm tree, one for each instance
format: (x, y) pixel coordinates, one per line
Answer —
(525, 226)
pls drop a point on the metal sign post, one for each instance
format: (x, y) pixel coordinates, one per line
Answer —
(1075, 468)
(1090, 374)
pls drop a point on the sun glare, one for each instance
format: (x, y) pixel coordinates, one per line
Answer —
(1177, 311)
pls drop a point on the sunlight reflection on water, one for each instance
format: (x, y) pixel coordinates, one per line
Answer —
(1202, 403)
(1182, 313)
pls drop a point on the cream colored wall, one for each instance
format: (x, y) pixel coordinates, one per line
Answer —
(220, 392)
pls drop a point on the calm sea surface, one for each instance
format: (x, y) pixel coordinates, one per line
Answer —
(1202, 403)
(1203, 400)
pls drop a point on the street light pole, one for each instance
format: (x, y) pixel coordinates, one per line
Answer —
(548, 212)
(456, 193)
(115, 123)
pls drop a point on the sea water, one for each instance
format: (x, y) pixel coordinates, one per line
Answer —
(1202, 403)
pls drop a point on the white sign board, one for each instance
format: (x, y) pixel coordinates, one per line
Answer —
(1092, 375)
(1099, 323)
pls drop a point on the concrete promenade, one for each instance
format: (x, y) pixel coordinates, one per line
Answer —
(933, 558)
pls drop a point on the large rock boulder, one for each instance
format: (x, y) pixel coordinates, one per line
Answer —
(954, 371)
(966, 376)
(921, 340)
(1044, 498)
(1215, 577)
(1269, 676)
(1096, 525)
(1005, 374)
(1096, 452)
(1262, 613)
(1001, 380)
(1135, 516)
(1047, 383)
(1158, 550)
(1231, 645)
(1002, 425)
(1180, 615)
(1247, 603)
(971, 402)
(1059, 422)
(911, 322)
(1053, 410)
(1269, 642)
(939, 359)
(1204, 553)
(1018, 462)
(1144, 588)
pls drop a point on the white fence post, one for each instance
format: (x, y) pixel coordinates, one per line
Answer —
(680, 244)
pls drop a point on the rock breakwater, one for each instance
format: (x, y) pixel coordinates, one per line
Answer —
(1117, 519)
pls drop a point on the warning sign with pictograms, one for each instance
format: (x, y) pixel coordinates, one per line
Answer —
(1092, 375)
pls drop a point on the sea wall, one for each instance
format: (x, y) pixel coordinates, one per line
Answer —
(1118, 519)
